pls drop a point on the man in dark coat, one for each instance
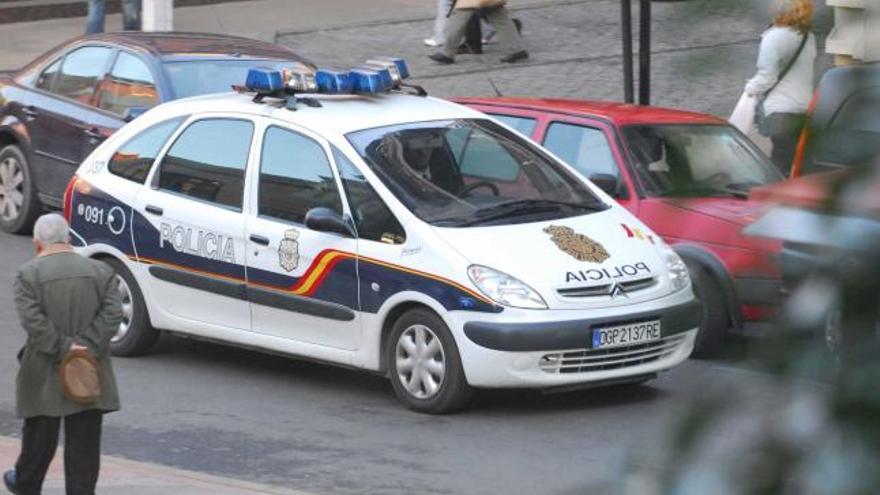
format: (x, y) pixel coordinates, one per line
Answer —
(65, 302)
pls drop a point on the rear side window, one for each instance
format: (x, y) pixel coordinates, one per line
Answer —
(523, 125)
(129, 85)
(135, 158)
(47, 77)
(295, 176)
(208, 161)
(584, 148)
(80, 72)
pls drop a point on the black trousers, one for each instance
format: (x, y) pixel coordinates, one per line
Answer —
(785, 130)
(82, 452)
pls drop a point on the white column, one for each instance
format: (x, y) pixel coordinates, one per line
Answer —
(157, 15)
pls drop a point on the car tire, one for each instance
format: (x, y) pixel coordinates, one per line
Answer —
(19, 204)
(136, 335)
(715, 318)
(424, 364)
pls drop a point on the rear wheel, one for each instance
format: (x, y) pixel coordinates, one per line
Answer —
(19, 205)
(424, 364)
(715, 318)
(135, 335)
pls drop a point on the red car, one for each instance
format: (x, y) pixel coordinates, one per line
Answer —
(687, 176)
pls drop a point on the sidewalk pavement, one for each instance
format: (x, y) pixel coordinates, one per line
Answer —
(124, 477)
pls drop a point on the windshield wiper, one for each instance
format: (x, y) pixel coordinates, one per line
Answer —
(697, 191)
(527, 206)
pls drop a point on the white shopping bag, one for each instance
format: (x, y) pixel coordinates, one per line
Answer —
(743, 116)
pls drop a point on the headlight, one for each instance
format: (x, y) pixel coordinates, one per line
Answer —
(504, 289)
(678, 272)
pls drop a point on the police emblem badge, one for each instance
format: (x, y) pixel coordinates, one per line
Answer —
(288, 250)
(577, 245)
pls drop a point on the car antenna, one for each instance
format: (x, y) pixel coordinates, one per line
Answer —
(494, 87)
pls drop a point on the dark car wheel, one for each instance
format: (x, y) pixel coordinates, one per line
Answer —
(424, 365)
(715, 319)
(135, 335)
(19, 205)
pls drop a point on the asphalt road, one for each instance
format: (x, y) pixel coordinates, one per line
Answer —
(321, 429)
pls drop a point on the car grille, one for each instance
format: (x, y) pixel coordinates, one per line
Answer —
(587, 360)
(605, 290)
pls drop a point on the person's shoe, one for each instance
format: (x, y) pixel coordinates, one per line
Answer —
(10, 479)
(441, 58)
(431, 42)
(515, 57)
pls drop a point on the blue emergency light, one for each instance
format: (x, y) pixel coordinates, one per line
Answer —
(384, 72)
(264, 80)
(368, 81)
(397, 62)
(333, 81)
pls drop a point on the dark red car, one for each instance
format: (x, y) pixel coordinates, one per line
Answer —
(687, 176)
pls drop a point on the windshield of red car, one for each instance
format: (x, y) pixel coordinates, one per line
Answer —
(201, 77)
(696, 160)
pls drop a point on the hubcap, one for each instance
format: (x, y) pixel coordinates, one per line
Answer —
(421, 362)
(127, 310)
(11, 189)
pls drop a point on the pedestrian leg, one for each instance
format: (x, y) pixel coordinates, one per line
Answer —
(39, 440)
(785, 130)
(131, 15)
(82, 451)
(443, 7)
(508, 38)
(455, 28)
(95, 21)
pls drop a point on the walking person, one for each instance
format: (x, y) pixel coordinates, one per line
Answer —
(444, 7)
(508, 36)
(131, 16)
(65, 303)
(783, 84)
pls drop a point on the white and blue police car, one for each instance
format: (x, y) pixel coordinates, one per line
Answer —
(348, 218)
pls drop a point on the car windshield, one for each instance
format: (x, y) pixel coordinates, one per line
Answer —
(697, 160)
(459, 173)
(202, 77)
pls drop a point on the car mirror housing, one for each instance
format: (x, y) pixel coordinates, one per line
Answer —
(323, 219)
(132, 113)
(608, 183)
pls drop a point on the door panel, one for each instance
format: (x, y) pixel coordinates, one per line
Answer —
(302, 284)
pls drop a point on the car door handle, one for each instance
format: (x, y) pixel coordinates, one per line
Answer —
(155, 210)
(259, 239)
(30, 111)
(94, 133)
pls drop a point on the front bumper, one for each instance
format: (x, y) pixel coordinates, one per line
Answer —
(534, 349)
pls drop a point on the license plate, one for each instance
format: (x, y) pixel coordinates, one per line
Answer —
(629, 334)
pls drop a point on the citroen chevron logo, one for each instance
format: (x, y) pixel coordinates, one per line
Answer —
(617, 291)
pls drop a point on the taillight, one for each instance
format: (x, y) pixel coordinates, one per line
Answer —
(68, 198)
(798, 162)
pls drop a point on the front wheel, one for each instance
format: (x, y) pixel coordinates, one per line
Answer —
(714, 320)
(424, 364)
(19, 205)
(135, 335)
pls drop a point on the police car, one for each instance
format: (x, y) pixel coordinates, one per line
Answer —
(348, 218)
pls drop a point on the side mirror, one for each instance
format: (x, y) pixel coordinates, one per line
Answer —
(132, 113)
(323, 219)
(608, 183)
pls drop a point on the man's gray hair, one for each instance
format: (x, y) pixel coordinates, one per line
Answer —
(51, 228)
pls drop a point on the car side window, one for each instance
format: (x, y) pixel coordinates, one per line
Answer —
(47, 77)
(295, 176)
(373, 219)
(130, 84)
(584, 148)
(134, 159)
(80, 72)
(523, 125)
(208, 161)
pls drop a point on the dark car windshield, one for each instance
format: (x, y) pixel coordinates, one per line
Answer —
(469, 172)
(201, 77)
(697, 160)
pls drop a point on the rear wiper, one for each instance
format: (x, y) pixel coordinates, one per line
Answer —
(526, 206)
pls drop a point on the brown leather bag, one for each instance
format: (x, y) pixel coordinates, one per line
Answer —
(80, 377)
(478, 4)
